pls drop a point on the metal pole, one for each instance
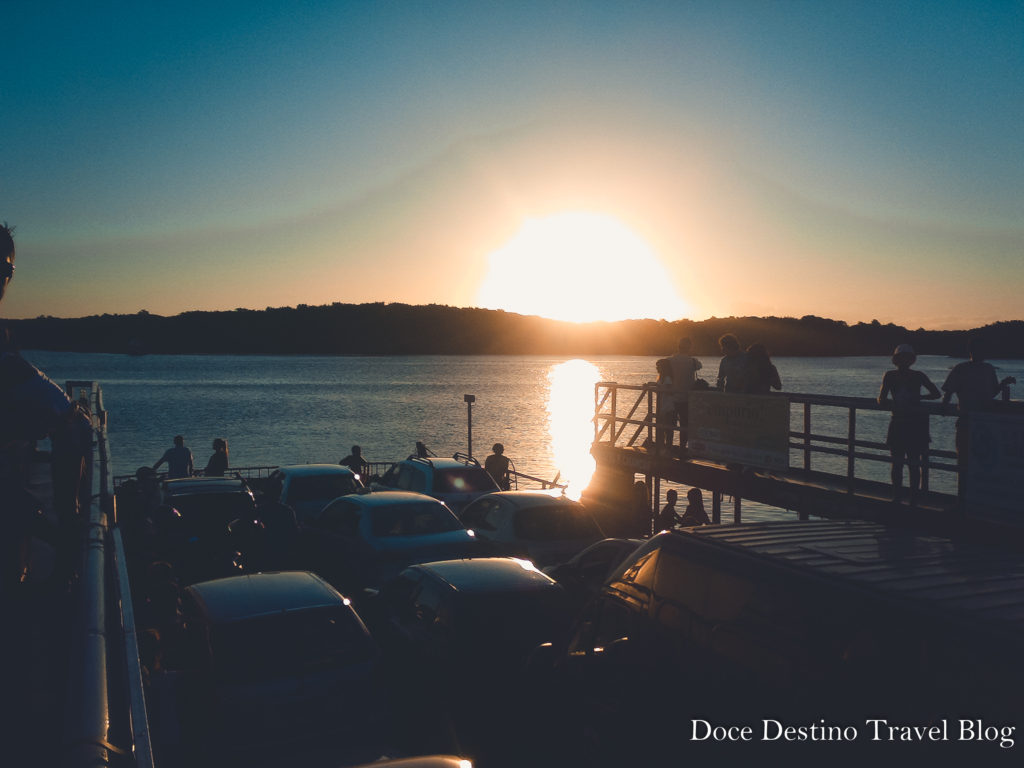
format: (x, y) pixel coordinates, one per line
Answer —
(470, 399)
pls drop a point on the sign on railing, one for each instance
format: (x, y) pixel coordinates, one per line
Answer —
(752, 430)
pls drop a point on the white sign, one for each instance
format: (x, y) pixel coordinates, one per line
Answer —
(743, 429)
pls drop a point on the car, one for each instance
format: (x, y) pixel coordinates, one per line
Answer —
(455, 481)
(481, 616)
(358, 541)
(275, 657)
(545, 526)
(795, 621)
(203, 524)
(583, 575)
(307, 488)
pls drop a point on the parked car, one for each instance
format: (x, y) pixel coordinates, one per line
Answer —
(276, 657)
(307, 488)
(359, 541)
(455, 481)
(203, 525)
(456, 633)
(583, 575)
(543, 526)
(841, 621)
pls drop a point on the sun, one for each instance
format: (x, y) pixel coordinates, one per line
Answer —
(581, 267)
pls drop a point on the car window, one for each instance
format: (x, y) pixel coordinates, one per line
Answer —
(638, 575)
(324, 487)
(288, 642)
(463, 480)
(427, 603)
(410, 479)
(341, 517)
(554, 522)
(481, 515)
(413, 520)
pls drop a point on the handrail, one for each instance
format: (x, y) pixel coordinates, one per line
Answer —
(610, 426)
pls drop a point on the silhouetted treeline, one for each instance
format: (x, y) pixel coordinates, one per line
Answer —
(401, 329)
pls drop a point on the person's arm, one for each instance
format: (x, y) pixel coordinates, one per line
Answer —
(776, 382)
(719, 384)
(191, 467)
(160, 461)
(932, 391)
(886, 390)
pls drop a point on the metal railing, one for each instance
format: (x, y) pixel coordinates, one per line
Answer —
(624, 415)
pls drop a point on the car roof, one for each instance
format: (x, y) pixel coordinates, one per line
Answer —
(260, 594)
(304, 470)
(524, 499)
(190, 485)
(488, 574)
(391, 498)
(439, 462)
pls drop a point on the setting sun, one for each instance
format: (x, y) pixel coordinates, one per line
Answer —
(581, 267)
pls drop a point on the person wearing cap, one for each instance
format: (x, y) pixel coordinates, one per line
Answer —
(497, 465)
(908, 435)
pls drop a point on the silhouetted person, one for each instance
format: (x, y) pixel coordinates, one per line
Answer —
(178, 459)
(31, 407)
(667, 517)
(497, 466)
(761, 374)
(642, 518)
(695, 513)
(218, 463)
(975, 384)
(908, 435)
(732, 368)
(664, 404)
(684, 373)
(356, 462)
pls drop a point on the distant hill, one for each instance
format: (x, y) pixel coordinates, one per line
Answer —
(402, 329)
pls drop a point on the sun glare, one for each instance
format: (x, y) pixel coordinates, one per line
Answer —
(570, 421)
(581, 267)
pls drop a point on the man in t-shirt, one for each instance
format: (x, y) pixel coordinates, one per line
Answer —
(684, 373)
(178, 458)
(975, 384)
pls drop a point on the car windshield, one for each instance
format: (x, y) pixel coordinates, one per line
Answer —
(289, 643)
(413, 520)
(463, 480)
(204, 513)
(316, 487)
(554, 522)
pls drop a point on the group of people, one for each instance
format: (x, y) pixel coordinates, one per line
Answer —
(749, 372)
(975, 384)
(178, 459)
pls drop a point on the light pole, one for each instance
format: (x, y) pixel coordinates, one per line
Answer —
(470, 399)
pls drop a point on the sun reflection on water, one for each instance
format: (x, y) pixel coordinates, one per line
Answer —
(570, 409)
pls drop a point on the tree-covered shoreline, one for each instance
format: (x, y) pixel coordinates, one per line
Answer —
(403, 329)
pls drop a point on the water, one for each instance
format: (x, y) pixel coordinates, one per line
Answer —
(277, 410)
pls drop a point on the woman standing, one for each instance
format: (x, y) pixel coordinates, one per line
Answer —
(218, 463)
(908, 435)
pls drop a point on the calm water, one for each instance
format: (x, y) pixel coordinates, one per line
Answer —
(281, 410)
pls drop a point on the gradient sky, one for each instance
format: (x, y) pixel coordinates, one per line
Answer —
(853, 160)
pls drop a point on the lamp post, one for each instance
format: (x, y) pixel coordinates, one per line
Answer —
(470, 399)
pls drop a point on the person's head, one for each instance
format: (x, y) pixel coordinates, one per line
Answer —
(976, 350)
(685, 345)
(694, 496)
(671, 496)
(220, 445)
(663, 367)
(757, 350)
(498, 448)
(903, 356)
(6, 256)
(356, 450)
(179, 441)
(729, 344)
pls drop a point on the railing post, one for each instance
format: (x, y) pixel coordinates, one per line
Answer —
(615, 413)
(716, 507)
(651, 435)
(807, 437)
(851, 438)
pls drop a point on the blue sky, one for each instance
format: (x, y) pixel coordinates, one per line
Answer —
(852, 160)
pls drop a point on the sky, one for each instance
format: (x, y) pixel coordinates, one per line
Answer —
(582, 160)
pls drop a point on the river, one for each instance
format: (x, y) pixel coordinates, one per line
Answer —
(276, 410)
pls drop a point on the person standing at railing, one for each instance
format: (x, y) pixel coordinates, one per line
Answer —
(497, 466)
(908, 435)
(356, 462)
(664, 404)
(218, 463)
(733, 367)
(684, 369)
(761, 374)
(975, 384)
(178, 458)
